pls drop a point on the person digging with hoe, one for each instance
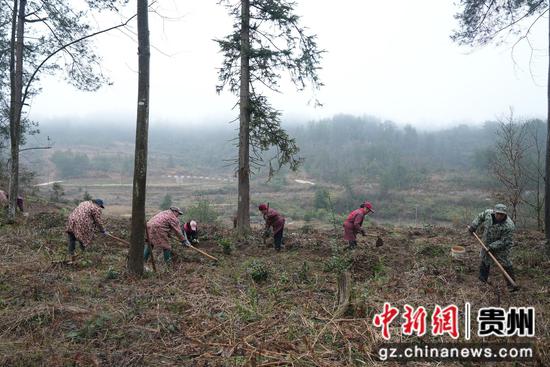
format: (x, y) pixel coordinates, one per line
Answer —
(82, 223)
(159, 230)
(498, 238)
(276, 221)
(353, 224)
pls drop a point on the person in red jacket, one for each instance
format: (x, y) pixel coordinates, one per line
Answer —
(276, 221)
(191, 231)
(353, 223)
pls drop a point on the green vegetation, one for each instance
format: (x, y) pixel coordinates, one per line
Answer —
(202, 212)
(339, 262)
(225, 245)
(258, 270)
(166, 202)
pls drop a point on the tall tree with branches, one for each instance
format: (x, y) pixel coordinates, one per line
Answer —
(485, 21)
(135, 257)
(267, 40)
(46, 37)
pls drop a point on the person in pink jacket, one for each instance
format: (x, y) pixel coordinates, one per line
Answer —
(276, 221)
(82, 223)
(354, 222)
(5, 197)
(159, 230)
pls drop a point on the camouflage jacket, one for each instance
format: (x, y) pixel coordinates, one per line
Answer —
(497, 236)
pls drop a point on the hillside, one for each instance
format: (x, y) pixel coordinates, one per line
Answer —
(201, 313)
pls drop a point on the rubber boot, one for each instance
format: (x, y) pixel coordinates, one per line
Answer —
(72, 243)
(484, 272)
(146, 253)
(510, 271)
(167, 256)
(351, 245)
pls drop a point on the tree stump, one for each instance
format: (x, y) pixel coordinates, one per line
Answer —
(343, 294)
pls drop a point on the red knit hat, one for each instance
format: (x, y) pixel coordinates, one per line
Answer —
(262, 207)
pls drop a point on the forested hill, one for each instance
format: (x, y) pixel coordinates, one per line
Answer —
(334, 150)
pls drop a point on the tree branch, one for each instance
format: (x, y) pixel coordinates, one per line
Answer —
(67, 45)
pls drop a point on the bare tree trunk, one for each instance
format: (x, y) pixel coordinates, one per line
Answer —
(344, 294)
(547, 164)
(16, 81)
(243, 206)
(135, 256)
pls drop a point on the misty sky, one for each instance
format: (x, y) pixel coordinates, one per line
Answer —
(393, 60)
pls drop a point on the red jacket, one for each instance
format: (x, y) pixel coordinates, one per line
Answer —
(274, 219)
(353, 224)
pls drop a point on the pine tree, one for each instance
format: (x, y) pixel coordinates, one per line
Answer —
(266, 41)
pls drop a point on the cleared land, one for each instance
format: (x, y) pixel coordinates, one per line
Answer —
(200, 313)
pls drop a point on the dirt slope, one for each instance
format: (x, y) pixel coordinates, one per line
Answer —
(199, 313)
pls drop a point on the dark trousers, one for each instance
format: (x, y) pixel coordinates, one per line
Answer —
(278, 239)
(72, 243)
(484, 273)
(147, 252)
(352, 244)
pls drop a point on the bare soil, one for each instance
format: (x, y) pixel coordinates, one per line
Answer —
(196, 312)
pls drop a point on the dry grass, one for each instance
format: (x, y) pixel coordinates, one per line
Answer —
(199, 313)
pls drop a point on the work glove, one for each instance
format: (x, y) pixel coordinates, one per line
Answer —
(195, 241)
(104, 232)
(471, 230)
(186, 243)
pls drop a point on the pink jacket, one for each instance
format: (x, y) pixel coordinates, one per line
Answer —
(353, 224)
(84, 220)
(274, 219)
(160, 228)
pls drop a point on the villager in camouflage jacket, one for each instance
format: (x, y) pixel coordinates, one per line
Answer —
(497, 236)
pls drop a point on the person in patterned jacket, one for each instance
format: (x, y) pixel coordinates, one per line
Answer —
(159, 230)
(498, 237)
(83, 222)
(352, 225)
(5, 197)
(276, 221)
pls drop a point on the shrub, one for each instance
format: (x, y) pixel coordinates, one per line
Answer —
(202, 212)
(258, 270)
(225, 245)
(166, 202)
(57, 192)
(338, 262)
(86, 196)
